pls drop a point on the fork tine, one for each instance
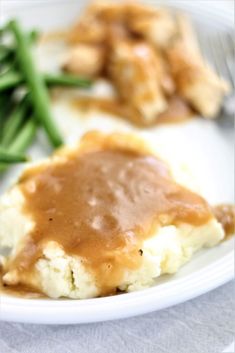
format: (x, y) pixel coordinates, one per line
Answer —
(206, 50)
(231, 58)
(220, 57)
(200, 38)
(219, 53)
(228, 50)
(216, 58)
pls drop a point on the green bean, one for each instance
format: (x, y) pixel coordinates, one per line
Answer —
(7, 51)
(66, 80)
(35, 84)
(7, 66)
(8, 55)
(5, 108)
(25, 137)
(14, 122)
(13, 79)
(3, 98)
(10, 79)
(8, 157)
(2, 113)
(34, 36)
(4, 53)
(22, 141)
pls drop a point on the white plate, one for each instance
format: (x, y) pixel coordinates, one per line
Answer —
(207, 149)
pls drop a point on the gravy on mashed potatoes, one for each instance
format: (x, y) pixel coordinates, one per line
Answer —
(101, 203)
(112, 214)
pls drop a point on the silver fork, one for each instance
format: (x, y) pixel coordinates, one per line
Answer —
(218, 49)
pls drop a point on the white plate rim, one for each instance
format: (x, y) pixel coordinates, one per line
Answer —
(126, 305)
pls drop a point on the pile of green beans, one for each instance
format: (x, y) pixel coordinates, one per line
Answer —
(20, 119)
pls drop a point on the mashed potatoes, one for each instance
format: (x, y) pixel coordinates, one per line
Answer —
(58, 273)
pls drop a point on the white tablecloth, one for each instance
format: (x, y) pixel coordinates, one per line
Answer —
(202, 325)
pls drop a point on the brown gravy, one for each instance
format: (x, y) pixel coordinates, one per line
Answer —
(19, 290)
(178, 110)
(225, 214)
(101, 205)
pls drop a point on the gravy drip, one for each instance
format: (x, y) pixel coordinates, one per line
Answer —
(225, 214)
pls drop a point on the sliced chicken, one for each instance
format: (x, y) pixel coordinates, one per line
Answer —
(164, 75)
(109, 11)
(85, 59)
(89, 29)
(149, 54)
(132, 69)
(154, 24)
(195, 80)
(94, 25)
